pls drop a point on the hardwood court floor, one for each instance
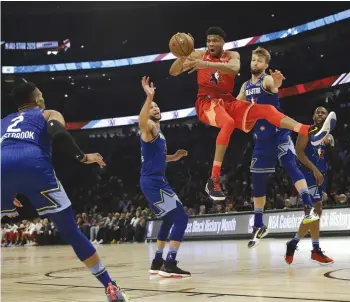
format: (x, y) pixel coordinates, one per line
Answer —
(222, 271)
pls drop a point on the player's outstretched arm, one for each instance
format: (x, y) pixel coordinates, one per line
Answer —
(56, 130)
(273, 81)
(241, 96)
(301, 145)
(178, 66)
(147, 126)
(178, 155)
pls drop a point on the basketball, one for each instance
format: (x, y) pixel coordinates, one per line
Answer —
(181, 45)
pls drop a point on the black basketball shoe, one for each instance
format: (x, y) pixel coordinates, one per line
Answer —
(258, 234)
(171, 270)
(291, 248)
(214, 190)
(156, 266)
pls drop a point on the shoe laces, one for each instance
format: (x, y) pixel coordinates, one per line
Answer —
(320, 252)
(112, 289)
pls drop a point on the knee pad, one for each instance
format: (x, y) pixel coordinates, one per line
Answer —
(289, 164)
(69, 232)
(180, 219)
(259, 184)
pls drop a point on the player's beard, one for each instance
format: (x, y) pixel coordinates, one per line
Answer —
(156, 119)
(319, 125)
(256, 71)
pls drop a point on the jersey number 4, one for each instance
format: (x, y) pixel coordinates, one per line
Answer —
(16, 121)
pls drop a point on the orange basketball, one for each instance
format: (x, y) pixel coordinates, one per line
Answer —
(181, 45)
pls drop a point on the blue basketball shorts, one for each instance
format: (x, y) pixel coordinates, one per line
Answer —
(267, 151)
(32, 176)
(161, 197)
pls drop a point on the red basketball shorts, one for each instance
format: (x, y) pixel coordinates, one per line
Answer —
(215, 111)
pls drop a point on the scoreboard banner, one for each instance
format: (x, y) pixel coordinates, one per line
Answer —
(211, 226)
(114, 63)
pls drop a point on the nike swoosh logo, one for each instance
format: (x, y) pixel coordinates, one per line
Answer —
(313, 130)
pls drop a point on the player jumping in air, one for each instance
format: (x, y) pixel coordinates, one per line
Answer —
(270, 143)
(314, 165)
(162, 199)
(216, 106)
(26, 168)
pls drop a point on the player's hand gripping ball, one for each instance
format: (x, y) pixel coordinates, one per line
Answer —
(181, 45)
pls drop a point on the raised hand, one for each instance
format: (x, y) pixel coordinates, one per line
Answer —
(147, 87)
(277, 77)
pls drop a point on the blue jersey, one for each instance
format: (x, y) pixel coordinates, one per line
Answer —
(23, 128)
(153, 156)
(26, 164)
(318, 156)
(255, 93)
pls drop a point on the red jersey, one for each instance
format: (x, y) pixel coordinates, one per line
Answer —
(212, 82)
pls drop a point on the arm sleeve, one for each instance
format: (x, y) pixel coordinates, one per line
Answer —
(57, 132)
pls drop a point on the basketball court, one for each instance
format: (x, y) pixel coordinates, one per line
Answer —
(221, 271)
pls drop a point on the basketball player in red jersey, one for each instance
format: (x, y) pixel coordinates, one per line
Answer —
(216, 106)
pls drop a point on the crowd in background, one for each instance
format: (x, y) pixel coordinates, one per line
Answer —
(108, 203)
(110, 207)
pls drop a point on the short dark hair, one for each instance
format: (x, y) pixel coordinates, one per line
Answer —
(21, 94)
(218, 31)
(318, 108)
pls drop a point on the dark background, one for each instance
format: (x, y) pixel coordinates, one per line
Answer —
(127, 29)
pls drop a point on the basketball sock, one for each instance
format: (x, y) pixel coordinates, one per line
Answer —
(258, 217)
(296, 239)
(302, 129)
(100, 272)
(316, 243)
(159, 254)
(215, 172)
(305, 196)
(171, 257)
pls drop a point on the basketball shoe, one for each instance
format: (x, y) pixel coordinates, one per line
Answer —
(291, 248)
(317, 135)
(258, 234)
(156, 266)
(214, 190)
(114, 294)
(171, 270)
(318, 256)
(310, 214)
